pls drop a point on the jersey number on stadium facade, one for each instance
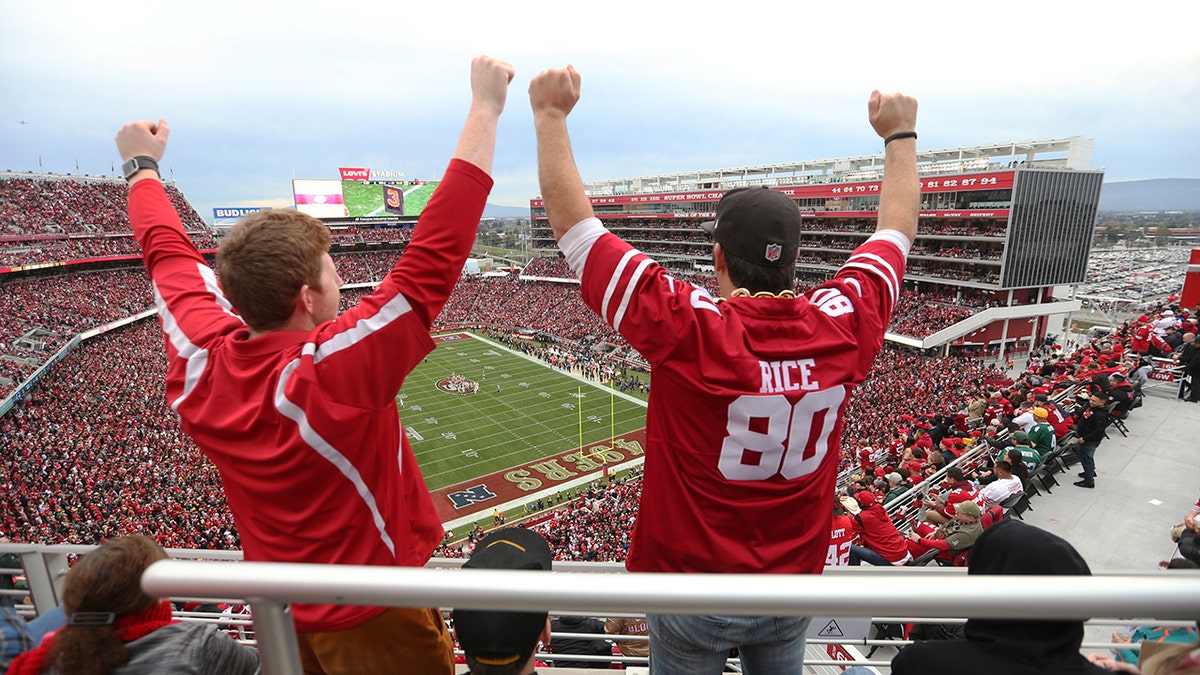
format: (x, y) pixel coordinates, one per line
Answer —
(768, 435)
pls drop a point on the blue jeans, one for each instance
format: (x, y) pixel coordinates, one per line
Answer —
(1087, 457)
(861, 554)
(699, 645)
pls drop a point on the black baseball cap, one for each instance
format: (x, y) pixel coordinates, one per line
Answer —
(758, 225)
(499, 637)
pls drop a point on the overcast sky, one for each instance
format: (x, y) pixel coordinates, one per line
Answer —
(257, 93)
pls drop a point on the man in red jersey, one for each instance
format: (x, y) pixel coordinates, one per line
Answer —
(841, 536)
(744, 419)
(295, 405)
(959, 490)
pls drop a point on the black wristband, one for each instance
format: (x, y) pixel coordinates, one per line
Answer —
(899, 134)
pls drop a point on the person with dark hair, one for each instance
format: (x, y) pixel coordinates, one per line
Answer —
(1002, 646)
(1023, 444)
(1056, 416)
(1121, 393)
(296, 404)
(113, 627)
(959, 490)
(745, 416)
(498, 642)
(1189, 535)
(1005, 485)
(1090, 423)
(1016, 460)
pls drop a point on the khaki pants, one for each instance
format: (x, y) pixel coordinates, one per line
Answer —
(400, 640)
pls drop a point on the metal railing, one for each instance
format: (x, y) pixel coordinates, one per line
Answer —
(271, 587)
(932, 594)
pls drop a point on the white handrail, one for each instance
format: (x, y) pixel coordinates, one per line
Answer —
(862, 592)
(270, 587)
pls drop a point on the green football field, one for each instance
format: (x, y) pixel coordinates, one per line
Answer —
(523, 411)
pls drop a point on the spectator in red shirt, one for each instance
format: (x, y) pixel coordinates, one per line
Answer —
(882, 543)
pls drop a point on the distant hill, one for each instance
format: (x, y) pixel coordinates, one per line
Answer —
(1160, 194)
(497, 211)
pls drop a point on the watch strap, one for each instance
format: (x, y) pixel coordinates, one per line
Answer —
(135, 164)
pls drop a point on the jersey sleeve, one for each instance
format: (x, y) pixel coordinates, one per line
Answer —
(190, 304)
(363, 356)
(631, 292)
(870, 280)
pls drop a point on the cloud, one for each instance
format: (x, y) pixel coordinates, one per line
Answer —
(257, 90)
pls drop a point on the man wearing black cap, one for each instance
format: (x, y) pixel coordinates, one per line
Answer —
(744, 421)
(501, 642)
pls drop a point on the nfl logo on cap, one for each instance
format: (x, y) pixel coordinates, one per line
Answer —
(773, 252)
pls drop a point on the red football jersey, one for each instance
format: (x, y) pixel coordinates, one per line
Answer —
(745, 412)
(841, 536)
(302, 425)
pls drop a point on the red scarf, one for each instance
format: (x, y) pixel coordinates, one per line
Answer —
(128, 628)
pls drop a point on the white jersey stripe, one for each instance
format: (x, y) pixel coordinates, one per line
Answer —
(395, 308)
(633, 279)
(195, 357)
(613, 281)
(882, 275)
(211, 285)
(314, 440)
(895, 278)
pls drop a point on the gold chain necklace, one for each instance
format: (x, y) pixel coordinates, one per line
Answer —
(743, 293)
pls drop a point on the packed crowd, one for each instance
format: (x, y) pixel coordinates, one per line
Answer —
(56, 205)
(94, 452)
(55, 309)
(546, 307)
(554, 267)
(57, 219)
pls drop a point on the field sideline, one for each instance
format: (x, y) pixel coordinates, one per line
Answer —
(524, 410)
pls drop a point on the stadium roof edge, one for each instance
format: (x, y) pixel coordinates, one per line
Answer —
(1077, 149)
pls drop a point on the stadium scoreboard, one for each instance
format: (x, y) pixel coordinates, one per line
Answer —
(362, 194)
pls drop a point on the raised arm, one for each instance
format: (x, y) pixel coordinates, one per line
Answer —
(900, 194)
(552, 94)
(489, 88)
(443, 237)
(190, 303)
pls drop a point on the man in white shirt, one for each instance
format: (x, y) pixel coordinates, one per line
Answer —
(1166, 319)
(1025, 419)
(1005, 485)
